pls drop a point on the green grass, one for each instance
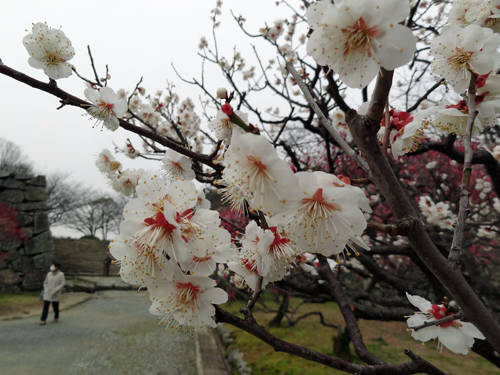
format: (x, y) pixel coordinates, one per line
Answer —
(7, 300)
(387, 340)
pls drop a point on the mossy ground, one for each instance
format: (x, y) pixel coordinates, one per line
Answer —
(387, 340)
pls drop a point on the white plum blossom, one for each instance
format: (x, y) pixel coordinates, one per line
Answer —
(130, 151)
(324, 216)
(139, 264)
(496, 204)
(106, 106)
(224, 128)
(177, 165)
(107, 163)
(253, 165)
(458, 336)
(407, 131)
(357, 37)
(186, 303)
(221, 93)
(487, 232)
(490, 16)
(458, 51)
(202, 202)
(452, 118)
(269, 249)
(484, 13)
(338, 121)
(126, 181)
(431, 165)
(436, 214)
(247, 271)
(302, 261)
(216, 248)
(49, 49)
(171, 223)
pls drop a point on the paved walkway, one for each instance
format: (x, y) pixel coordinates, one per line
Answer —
(112, 333)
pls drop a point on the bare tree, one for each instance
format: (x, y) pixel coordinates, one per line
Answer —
(13, 159)
(93, 213)
(62, 196)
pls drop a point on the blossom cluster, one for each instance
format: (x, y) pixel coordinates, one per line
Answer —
(122, 180)
(436, 214)
(300, 212)
(170, 244)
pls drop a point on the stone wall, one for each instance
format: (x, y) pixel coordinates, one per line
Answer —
(83, 256)
(24, 258)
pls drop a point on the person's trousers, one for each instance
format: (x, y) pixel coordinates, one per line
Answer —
(55, 306)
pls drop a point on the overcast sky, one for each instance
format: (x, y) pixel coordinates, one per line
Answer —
(135, 39)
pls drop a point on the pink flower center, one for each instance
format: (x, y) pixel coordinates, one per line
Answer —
(258, 168)
(317, 205)
(187, 293)
(461, 59)
(278, 241)
(359, 37)
(161, 222)
(201, 259)
(250, 265)
(53, 59)
(439, 312)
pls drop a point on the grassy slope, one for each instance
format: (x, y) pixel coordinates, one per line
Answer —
(387, 340)
(18, 302)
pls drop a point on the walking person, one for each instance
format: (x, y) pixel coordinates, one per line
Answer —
(52, 287)
(107, 263)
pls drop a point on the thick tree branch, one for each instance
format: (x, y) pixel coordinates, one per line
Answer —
(364, 130)
(351, 322)
(416, 365)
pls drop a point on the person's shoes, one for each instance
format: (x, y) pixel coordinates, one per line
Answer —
(42, 323)
(56, 320)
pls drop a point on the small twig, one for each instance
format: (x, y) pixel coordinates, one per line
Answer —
(247, 310)
(458, 233)
(93, 66)
(361, 181)
(326, 123)
(391, 230)
(283, 127)
(446, 319)
(425, 96)
(388, 128)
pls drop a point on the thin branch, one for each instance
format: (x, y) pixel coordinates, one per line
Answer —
(458, 233)
(93, 67)
(326, 123)
(446, 319)
(425, 96)
(72, 100)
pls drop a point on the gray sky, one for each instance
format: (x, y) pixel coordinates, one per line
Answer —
(135, 39)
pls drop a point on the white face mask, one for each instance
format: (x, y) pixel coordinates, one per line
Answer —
(52, 268)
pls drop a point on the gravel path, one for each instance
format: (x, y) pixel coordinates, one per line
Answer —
(113, 333)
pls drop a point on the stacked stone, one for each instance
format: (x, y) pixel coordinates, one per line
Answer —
(25, 260)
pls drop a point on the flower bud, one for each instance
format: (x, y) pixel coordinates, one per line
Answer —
(227, 109)
(453, 307)
(222, 93)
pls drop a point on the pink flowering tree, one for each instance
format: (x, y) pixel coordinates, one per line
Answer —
(378, 188)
